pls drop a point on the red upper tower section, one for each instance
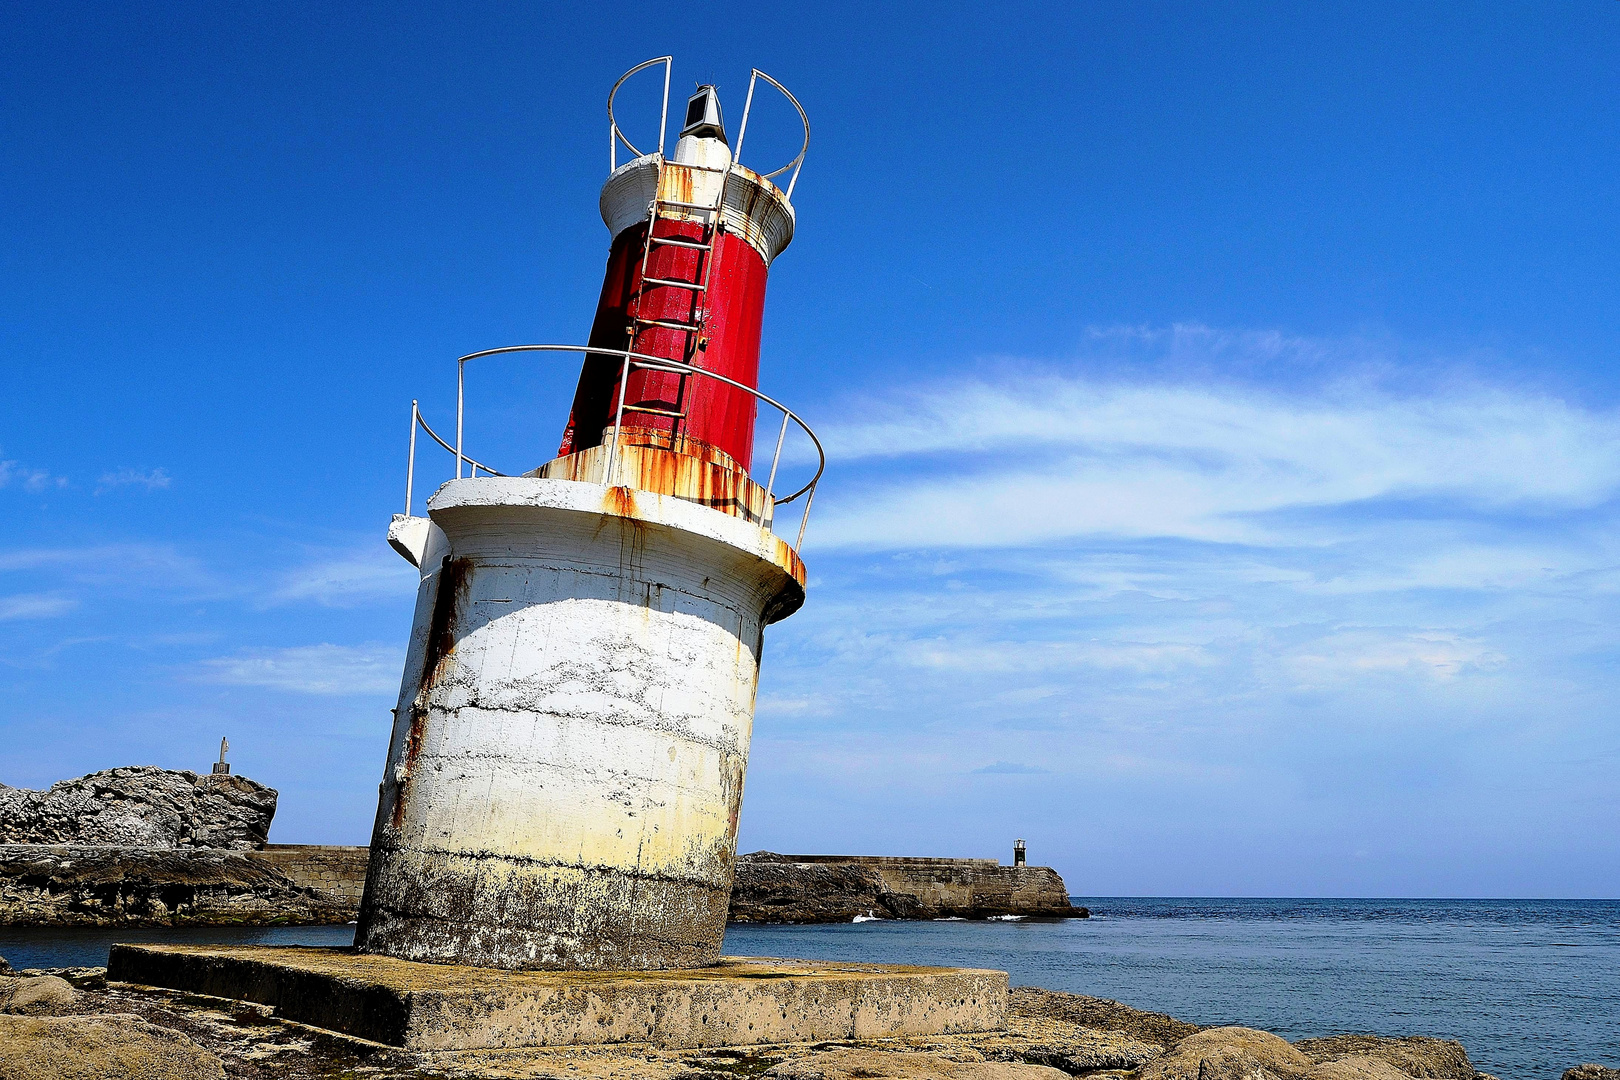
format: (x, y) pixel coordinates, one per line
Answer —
(693, 239)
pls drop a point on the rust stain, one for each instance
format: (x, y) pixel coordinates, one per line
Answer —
(620, 502)
(441, 643)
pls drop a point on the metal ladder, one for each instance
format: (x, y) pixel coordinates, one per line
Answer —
(694, 331)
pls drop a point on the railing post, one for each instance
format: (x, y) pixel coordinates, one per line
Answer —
(809, 498)
(410, 465)
(770, 485)
(742, 130)
(618, 421)
(461, 391)
(663, 116)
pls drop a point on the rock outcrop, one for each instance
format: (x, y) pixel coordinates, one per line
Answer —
(772, 888)
(1228, 1053)
(1591, 1072)
(102, 886)
(111, 1047)
(1416, 1056)
(37, 994)
(142, 806)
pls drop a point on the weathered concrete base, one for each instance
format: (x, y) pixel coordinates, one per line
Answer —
(742, 1001)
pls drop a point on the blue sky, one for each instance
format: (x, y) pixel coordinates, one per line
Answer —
(1221, 404)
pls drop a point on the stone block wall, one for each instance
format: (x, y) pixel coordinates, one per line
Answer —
(337, 873)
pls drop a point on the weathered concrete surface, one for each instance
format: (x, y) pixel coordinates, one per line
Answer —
(566, 771)
(47, 885)
(774, 888)
(141, 806)
(738, 1002)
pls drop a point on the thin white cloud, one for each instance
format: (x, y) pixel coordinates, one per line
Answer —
(31, 480)
(310, 669)
(151, 480)
(35, 606)
(1054, 457)
(374, 574)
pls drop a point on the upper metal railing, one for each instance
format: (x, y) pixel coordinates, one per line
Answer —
(616, 134)
(630, 361)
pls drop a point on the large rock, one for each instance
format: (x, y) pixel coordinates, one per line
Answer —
(1154, 1029)
(102, 886)
(1356, 1067)
(106, 1047)
(141, 806)
(37, 995)
(1229, 1053)
(1591, 1072)
(1415, 1055)
(857, 1064)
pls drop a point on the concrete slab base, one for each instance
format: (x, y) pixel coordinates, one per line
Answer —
(741, 1001)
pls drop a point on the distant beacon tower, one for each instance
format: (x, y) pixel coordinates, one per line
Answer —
(1018, 853)
(566, 770)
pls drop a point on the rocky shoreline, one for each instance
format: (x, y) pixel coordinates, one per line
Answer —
(72, 1023)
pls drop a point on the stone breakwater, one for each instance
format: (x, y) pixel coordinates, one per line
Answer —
(88, 885)
(772, 888)
(72, 1022)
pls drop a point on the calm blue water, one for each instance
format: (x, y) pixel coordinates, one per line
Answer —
(1530, 987)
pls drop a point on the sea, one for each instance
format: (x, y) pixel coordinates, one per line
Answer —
(1530, 987)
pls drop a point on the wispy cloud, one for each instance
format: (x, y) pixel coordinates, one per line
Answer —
(1059, 456)
(346, 580)
(150, 565)
(35, 606)
(29, 479)
(1010, 768)
(309, 669)
(151, 480)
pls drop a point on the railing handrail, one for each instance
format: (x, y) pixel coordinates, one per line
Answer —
(742, 132)
(616, 134)
(630, 360)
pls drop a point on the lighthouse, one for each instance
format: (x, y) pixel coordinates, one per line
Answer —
(565, 773)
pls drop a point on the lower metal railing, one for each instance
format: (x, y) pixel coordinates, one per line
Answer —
(630, 361)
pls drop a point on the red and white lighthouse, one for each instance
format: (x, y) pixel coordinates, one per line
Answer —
(566, 769)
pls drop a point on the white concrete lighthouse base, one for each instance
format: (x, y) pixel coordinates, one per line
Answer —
(567, 762)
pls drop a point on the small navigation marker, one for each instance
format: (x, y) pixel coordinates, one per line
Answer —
(221, 767)
(1018, 853)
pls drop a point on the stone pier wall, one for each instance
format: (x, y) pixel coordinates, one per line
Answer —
(335, 872)
(835, 888)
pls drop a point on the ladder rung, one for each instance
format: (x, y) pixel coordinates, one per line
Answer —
(687, 205)
(696, 286)
(667, 324)
(676, 242)
(655, 412)
(700, 168)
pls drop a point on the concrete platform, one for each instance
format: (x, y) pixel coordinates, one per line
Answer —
(741, 1001)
